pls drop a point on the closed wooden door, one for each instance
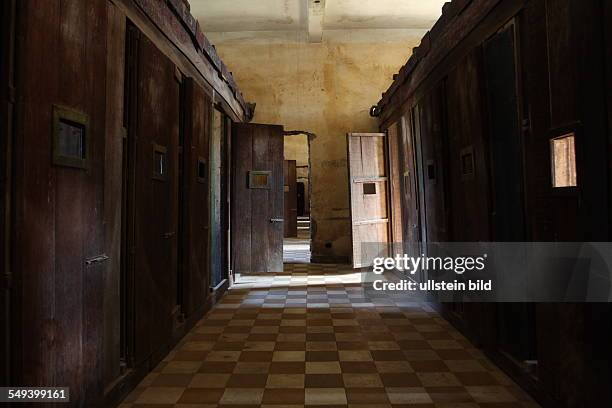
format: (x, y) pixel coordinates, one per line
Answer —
(195, 198)
(410, 196)
(369, 196)
(257, 212)
(153, 131)
(290, 198)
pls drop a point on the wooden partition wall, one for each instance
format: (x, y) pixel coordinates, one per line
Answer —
(477, 111)
(107, 201)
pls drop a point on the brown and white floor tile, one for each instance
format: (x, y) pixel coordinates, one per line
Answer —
(314, 336)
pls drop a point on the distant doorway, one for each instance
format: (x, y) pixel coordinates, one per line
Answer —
(297, 239)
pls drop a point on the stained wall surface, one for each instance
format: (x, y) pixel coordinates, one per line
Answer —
(325, 88)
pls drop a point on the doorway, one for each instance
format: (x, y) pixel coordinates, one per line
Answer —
(297, 188)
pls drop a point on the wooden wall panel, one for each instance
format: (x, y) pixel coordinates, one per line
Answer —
(290, 211)
(196, 274)
(113, 190)
(217, 140)
(241, 225)
(563, 83)
(433, 147)
(7, 104)
(410, 197)
(395, 183)
(59, 209)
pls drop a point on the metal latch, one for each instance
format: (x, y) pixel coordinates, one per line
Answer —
(276, 220)
(96, 260)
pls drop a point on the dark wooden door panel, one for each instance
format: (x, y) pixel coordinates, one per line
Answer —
(410, 197)
(291, 205)
(195, 205)
(468, 171)
(156, 199)
(369, 190)
(257, 232)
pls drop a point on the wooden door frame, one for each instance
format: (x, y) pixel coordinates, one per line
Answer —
(7, 101)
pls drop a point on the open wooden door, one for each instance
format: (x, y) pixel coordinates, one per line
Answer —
(290, 176)
(369, 186)
(257, 212)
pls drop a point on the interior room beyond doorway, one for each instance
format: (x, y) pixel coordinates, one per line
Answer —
(297, 226)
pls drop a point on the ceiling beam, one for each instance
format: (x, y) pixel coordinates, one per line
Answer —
(316, 13)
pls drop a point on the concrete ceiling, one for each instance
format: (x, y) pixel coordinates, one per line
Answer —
(314, 16)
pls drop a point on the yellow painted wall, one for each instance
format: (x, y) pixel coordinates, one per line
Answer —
(326, 89)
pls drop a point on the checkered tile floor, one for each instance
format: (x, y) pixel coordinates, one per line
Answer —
(314, 336)
(297, 250)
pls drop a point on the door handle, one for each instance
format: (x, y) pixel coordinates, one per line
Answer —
(168, 235)
(273, 220)
(96, 260)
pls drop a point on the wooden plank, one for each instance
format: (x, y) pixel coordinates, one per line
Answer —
(275, 230)
(368, 222)
(242, 141)
(215, 241)
(369, 179)
(34, 320)
(395, 183)
(290, 189)
(196, 272)
(113, 178)
(7, 47)
(261, 211)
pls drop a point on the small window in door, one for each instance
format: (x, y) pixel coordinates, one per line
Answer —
(467, 163)
(563, 161)
(159, 162)
(202, 170)
(70, 133)
(431, 171)
(259, 179)
(369, 188)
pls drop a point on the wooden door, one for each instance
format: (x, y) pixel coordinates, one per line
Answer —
(195, 204)
(369, 188)
(257, 212)
(395, 187)
(410, 197)
(432, 140)
(153, 130)
(290, 188)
